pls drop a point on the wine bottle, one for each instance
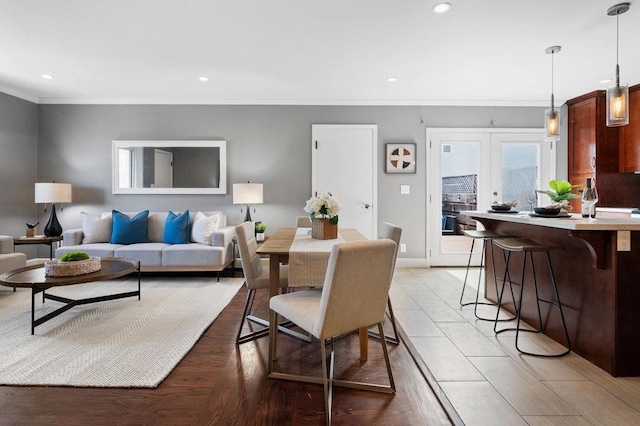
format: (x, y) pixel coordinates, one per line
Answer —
(589, 200)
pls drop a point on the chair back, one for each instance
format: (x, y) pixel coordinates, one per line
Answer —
(391, 232)
(247, 246)
(356, 287)
(303, 222)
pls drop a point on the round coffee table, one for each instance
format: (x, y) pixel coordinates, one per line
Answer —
(33, 277)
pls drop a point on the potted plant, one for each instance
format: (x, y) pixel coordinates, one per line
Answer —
(560, 193)
(260, 228)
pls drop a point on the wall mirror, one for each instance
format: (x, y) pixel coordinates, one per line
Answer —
(169, 167)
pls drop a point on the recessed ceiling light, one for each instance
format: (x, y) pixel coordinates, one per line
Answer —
(47, 76)
(605, 81)
(391, 79)
(203, 78)
(441, 7)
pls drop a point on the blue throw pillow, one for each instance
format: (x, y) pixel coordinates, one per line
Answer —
(128, 230)
(176, 228)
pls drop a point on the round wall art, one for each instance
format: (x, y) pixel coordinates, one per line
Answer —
(401, 158)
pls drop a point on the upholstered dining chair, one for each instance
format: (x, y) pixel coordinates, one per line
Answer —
(256, 277)
(303, 222)
(354, 295)
(391, 232)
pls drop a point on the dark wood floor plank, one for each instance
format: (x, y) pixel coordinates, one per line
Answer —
(218, 383)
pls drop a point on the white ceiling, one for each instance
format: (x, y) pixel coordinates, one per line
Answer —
(325, 52)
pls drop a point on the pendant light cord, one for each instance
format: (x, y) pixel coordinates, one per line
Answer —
(617, 49)
(552, 53)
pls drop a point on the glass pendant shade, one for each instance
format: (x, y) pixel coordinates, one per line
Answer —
(618, 106)
(552, 122)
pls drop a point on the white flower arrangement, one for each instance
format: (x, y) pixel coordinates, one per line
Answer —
(324, 206)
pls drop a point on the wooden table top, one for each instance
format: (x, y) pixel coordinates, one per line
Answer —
(280, 241)
(33, 276)
(38, 239)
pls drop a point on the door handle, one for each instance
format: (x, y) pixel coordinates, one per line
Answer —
(366, 206)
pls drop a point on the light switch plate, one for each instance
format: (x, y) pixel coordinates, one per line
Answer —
(405, 189)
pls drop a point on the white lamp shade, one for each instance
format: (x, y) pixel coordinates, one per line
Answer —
(247, 193)
(53, 193)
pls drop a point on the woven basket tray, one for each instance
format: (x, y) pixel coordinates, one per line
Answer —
(55, 268)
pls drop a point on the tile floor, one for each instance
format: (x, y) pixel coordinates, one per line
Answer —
(487, 381)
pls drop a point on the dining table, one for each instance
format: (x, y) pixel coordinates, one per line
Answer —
(310, 257)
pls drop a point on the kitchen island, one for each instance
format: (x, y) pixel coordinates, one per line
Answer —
(598, 276)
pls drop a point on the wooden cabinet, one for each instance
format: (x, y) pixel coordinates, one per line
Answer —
(593, 147)
(630, 135)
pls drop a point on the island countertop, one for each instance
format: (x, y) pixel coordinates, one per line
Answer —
(574, 223)
(596, 270)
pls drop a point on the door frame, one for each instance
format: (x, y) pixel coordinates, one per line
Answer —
(374, 167)
(431, 197)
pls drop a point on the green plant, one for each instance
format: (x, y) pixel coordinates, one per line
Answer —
(261, 227)
(74, 256)
(561, 190)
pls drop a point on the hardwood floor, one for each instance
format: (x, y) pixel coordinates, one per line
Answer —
(218, 383)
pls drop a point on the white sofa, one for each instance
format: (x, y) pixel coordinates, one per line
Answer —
(157, 255)
(9, 260)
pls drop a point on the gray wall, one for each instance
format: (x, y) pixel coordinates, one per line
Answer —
(18, 166)
(267, 144)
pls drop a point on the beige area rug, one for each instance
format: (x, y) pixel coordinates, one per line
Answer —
(119, 343)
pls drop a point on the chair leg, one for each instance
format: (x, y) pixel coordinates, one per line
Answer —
(244, 313)
(326, 381)
(386, 358)
(273, 336)
(394, 340)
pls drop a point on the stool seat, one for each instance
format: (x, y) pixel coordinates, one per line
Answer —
(471, 233)
(524, 245)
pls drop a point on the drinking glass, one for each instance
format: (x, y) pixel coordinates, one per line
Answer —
(531, 197)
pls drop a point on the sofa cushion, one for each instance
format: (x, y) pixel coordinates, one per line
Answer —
(95, 229)
(203, 226)
(149, 254)
(129, 230)
(96, 249)
(176, 228)
(194, 254)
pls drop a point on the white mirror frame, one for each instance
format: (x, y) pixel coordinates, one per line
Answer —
(116, 145)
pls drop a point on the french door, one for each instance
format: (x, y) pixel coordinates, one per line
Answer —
(469, 169)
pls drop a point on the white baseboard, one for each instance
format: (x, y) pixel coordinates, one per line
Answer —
(404, 262)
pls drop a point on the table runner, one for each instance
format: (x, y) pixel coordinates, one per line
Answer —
(308, 259)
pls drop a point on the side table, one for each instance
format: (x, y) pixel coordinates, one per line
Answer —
(38, 239)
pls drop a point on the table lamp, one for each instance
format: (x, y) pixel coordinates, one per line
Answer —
(53, 193)
(247, 193)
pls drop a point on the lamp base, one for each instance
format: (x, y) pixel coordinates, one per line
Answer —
(53, 228)
(247, 216)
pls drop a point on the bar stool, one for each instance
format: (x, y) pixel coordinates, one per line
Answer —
(528, 247)
(486, 237)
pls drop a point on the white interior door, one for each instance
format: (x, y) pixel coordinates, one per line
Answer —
(163, 169)
(344, 159)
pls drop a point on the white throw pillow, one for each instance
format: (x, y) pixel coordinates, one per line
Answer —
(95, 229)
(203, 226)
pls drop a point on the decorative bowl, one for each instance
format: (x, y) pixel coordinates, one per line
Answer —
(501, 207)
(547, 211)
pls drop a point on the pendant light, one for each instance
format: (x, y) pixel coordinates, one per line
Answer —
(618, 96)
(551, 115)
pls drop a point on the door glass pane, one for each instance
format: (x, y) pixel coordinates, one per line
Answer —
(520, 173)
(459, 176)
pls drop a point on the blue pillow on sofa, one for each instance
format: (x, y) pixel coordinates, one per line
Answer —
(127, 230)
(176, 228)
